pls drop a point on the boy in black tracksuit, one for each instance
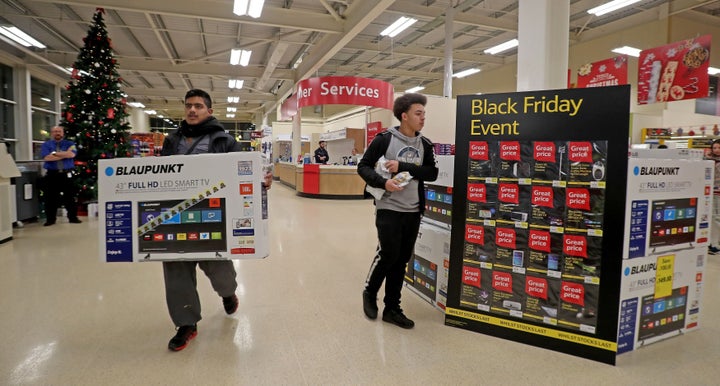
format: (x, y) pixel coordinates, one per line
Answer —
(399, 210)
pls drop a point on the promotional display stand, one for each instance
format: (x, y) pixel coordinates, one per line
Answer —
(534, 252)
(189, 207)
(669, 208)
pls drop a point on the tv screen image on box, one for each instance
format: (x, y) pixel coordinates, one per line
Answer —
(199, 228)
(673, 221)
(660, 316)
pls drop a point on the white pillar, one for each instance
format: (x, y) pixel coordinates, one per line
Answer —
(139, 121)
(296, 136)
(23, 114)
(449, 19)
(543, 32)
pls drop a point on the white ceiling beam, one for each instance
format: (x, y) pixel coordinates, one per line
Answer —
(272, 16)
(464, 18)
(416, 51)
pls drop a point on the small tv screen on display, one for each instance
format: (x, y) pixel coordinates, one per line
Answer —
(169, 229)
(673, 222)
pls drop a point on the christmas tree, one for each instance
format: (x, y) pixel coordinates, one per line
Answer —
(94, 113)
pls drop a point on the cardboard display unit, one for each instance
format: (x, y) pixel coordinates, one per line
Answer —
(668, 227)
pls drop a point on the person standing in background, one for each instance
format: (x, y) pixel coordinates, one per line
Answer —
(714, 155)
(398, 212)
(321, 154)
(59, 154)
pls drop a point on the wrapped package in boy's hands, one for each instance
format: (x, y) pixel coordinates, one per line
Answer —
(402, 178)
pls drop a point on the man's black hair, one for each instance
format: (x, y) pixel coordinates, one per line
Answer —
(196, 92)
(402, 103)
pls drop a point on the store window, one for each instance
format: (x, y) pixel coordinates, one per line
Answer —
(7, 108)
(44, 114)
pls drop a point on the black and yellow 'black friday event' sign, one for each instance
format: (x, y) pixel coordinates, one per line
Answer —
(538, 213)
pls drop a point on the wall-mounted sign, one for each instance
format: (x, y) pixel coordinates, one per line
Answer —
(344, 90)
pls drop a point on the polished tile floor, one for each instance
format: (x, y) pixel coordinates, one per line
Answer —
(69, 319)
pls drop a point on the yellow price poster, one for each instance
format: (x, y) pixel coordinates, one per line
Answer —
(664, 276)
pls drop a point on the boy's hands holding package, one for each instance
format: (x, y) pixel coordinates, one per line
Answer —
(392, 185)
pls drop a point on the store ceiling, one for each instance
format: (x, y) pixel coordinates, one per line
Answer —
(164, 48)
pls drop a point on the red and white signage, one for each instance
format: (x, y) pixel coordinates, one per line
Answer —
(289, 108)
(373, 129)
(345, 90)
(608, 72)
(675, 71)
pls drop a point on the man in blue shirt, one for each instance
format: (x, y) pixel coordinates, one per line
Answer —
(58, 154)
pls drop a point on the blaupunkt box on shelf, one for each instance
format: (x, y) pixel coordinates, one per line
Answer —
(188, 207)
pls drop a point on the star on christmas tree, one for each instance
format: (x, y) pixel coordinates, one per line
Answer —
(94, 113)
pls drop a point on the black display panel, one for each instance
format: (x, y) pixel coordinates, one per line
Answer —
(673, 222)
(550, 164)
(199, 228)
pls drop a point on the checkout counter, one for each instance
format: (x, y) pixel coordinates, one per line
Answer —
(321, 181)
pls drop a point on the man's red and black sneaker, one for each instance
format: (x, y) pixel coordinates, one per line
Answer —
(231, 304)
(183, 336)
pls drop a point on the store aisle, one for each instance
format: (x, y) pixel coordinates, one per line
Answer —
(70, 319)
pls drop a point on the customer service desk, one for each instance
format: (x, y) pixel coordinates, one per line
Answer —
(321, 181)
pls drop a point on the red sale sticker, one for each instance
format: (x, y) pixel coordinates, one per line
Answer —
(542, 196)
(575, 245)
(509, 193)
(471, 276)
(475, 234)
(479, 151)
(573, 293)
(539, 240)
(580, 152)
(502, 281)
(577, 198)
(536, 287)
(477, 192)
(505, 237)
(544, 151)
(510, 150)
